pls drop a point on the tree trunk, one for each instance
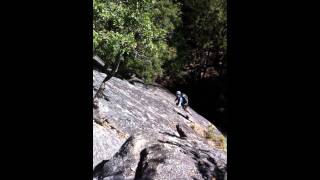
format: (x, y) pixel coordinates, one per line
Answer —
(114, 70)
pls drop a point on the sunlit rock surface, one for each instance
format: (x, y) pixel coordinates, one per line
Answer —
(140, 134)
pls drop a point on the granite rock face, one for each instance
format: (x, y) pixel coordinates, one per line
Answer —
(140, 134)
(105, 143)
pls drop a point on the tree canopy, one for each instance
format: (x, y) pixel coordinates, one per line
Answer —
(138, 30)
(159, 38)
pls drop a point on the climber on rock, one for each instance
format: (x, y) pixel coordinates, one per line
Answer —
(182, 102)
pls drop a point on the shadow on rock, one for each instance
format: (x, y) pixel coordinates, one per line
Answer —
(97, 171)
(150, 158)
(169, 134)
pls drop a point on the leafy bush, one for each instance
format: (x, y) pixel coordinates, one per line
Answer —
(219, 140)
(138, 30)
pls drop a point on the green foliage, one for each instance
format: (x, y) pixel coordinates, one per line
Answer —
(202, 39)
(219, 140)
(137, 29)
(160, 37)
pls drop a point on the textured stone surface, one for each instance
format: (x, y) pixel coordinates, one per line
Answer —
(163, 157)
(138, 135)
(105, 143)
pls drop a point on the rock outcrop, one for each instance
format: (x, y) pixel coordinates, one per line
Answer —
(139, 134)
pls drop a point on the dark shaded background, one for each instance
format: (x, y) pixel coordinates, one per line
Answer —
(208, 97)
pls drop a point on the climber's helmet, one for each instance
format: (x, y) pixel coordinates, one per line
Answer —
(178, 93)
